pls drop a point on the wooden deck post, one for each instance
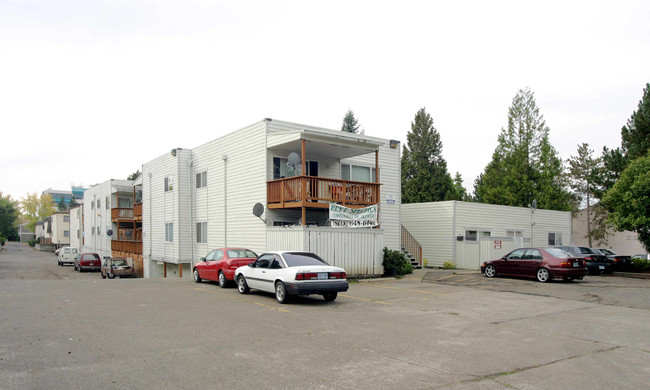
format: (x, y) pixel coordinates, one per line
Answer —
(303, 183)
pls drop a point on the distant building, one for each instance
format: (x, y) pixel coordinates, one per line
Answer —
(624, 243)
(25, 234)
(66, 196)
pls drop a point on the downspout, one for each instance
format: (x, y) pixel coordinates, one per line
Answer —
(453, 233)
(192, 242)
(150, 227)
(178, 207)
(225, 200)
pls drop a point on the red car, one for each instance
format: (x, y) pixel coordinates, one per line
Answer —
(543, 264)
(220, 265)
(87, 261)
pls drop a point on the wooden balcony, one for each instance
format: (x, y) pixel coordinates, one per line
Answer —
(129, 246)
(123, 214)
(318, 192)
(137, 211)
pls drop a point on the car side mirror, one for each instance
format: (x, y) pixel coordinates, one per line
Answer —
(202, 258)
(250, 265)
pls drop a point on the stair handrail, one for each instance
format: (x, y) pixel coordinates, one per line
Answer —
(411, 245)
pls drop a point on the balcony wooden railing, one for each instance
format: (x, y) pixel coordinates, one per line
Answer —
(118, 213)
(127, 246)
(137, 211)
(311, 191)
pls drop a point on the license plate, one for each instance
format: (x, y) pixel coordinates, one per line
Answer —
(601, 266)
(323, 275)
(576, 264)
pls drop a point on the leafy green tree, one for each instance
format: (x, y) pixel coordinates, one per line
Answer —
(62, 206)
(629, 200)
(134, 175)
(524, 166)
(424, 171)
(9, 217)
(35, 208)
(583, 168)
(350, 123)
(636, 133)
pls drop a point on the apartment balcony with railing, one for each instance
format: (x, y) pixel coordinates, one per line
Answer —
(319, 192)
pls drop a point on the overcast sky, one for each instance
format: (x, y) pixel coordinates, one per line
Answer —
(92, 89)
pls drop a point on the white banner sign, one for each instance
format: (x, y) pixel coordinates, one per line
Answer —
(342, 216)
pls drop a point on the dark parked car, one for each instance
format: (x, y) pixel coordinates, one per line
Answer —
(619, 262)
(220, 265)
(596, 264)
(543, 264)
(87, 262)
(118, 267)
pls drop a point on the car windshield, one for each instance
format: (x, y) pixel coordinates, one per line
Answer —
(241, 253)
(607, 252)
(295, 259)
(559, 253)
(585, 250)
(119, 262)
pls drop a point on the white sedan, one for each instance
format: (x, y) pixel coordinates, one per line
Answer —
(291, 273)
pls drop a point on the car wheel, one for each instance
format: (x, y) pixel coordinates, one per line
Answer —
(59, 261)
(490, 271)
(242, 286)
(80, 268)
(330, 296)
(281, 292)
(110, 275)
(103, 276)
(543, 275)
(197, 278)
(223, 282)
(74, 266)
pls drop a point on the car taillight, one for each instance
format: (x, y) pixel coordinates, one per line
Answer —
(306, 276)
(589, 258)
(337, 275)
(566, 264)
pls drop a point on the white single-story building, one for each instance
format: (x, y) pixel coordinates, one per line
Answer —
(466, 234)
(195, 200)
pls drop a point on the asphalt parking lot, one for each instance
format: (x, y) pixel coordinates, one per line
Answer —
(434, 329)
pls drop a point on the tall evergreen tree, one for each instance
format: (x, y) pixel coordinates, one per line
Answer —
(583, 168)
(524, 165)
(350, 123)
(636, 133)
(9, 215)
(424, 171)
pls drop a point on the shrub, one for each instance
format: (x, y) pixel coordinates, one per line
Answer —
(2, 240)
(33, 243)
(425, 262)
(395, 263)
(641, 264)
(448, 265)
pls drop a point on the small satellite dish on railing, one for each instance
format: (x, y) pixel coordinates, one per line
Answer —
(109, 232)
(258, 210)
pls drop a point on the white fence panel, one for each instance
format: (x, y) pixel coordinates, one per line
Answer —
(358, 251)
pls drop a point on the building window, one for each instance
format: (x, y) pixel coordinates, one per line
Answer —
(169, 183)
(92, 205)
(99, 204)
(66, 233)
(282, 168)
(202, 232)
(202, 179)
(66, 218)
(108, 203)
(473, 235)
(358, 173)
(514, 233)
(555, 238)
(169, 232)
(92, 231)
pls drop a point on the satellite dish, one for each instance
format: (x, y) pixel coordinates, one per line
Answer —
(109, 232)
(294, 158)
(294, 162)
(258, 210)
(534, 203)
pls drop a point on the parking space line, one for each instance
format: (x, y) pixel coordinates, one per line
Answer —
(403, 289)
(462, 280)
(243, 299)
(366, 299)
(445, 277)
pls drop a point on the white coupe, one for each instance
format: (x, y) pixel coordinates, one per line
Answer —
(291, 273)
